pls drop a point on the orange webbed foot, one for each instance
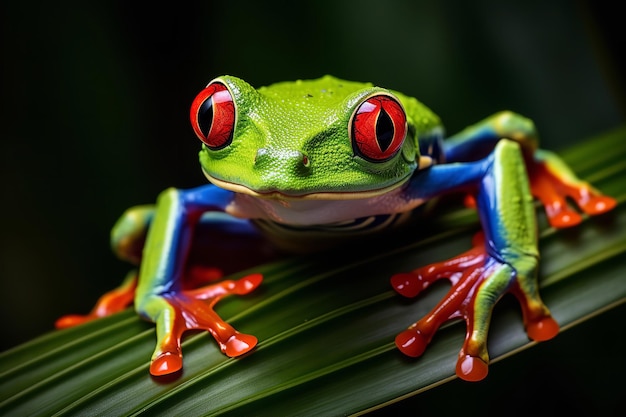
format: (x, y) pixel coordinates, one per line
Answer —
(194, 310)
(112, 302)
(553, 184)
(478, 280)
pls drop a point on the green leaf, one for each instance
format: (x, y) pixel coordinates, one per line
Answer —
(326, 325)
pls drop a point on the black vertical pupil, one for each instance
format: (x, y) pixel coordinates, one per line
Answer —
(384, 130)
(205, 116)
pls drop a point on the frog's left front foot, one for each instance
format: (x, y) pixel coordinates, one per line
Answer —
(478, 281)
(179, 311)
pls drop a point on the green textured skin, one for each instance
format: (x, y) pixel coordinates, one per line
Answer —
(322, 109)
(514, 220)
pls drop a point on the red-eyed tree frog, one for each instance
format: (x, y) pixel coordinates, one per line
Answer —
(305, 162)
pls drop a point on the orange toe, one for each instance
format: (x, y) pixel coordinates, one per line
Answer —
(411, 342)
(565, 218)
(471, 368)
(71, 321)
(544, 329)
(239, 344)
(247, 284)
(598, 205)
(165, 364)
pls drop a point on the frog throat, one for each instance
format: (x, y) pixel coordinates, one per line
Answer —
(323, 195)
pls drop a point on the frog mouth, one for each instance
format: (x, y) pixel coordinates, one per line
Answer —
(320, 195)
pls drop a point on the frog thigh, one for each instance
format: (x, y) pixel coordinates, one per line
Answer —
(129, 233)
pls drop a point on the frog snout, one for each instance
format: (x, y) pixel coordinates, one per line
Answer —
(284, 159)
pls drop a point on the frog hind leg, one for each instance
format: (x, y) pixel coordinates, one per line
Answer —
(477, 283)
(176, 312)
(127, 239)
(111, 302)
(505, 260)
(461, 271)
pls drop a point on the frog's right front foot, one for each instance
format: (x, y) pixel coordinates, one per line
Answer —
(176, 312)
(553, 183)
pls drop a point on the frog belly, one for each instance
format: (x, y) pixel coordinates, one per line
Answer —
(304, 212)
(303, 239)
(305, 225)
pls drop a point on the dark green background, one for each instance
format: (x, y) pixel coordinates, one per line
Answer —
(95, 101)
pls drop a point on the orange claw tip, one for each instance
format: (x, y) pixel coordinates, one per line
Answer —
(543, 329)
(471, 368)
(407, 284)
(599, 205)
(238, 344)
(411, 342)
(565, 218)
(70, 321)
(248, 283)
(165, 364)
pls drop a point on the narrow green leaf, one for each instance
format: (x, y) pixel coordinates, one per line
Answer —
(326, 326)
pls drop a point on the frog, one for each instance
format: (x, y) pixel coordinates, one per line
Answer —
(304, 164)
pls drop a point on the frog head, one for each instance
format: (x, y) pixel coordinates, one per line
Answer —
(315, 139)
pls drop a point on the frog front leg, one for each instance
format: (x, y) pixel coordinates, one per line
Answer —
(551, 180)
(161, 295)
(505, 260)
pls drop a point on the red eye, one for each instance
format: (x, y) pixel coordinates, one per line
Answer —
(213, 116)
(378, 128)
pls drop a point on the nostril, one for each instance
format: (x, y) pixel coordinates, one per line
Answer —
(267, 158)
(305, 161)
(260, 154)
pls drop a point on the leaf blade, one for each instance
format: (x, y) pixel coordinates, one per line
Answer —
(326, 343)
